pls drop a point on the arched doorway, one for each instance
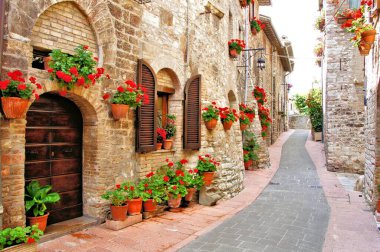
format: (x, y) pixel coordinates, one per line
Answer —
(53, 152)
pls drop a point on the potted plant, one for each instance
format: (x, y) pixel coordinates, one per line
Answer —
(244, 121)
(315, 111)
(235, 47)
(129, 95)
(117, 198)
(161, 137)
(16, 93)
(210, 115)
(133, 197)
(228, 117)
(320, 22)
(245, 3)
(364, 32)
(152, 191)
(318, 51)
(173, 176)
(36, 198)
(248, 111)
(260, 95)
(250, 147)
(20, 239)
(265, 120)
(256, 25)
(193, 181)
(345, 17)
(206, 167)
(170, 129)
(73, 70)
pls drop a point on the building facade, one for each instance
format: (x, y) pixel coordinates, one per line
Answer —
(177, 49)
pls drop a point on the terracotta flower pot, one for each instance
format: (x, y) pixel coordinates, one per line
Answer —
(248, 164)
(254, 31)
(190, 194)
(227, 125)
(119, 213)
(211, 124)
(174, 202)
(208, 177)
(243, 3)
(150, 205)
(243, 126)
(119, 111)
(14, 107)
(46, 62)
(369, 36)
(363, 51)
(134, 206)
(41, 221)
(233, 53)
(168, 143)
(159, 146)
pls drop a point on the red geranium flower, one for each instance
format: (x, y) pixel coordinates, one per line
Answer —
(32, 79)
(118, 186)
(106, 96)
(31, 240)
(150, 191)
(196, 170)
(170, 164)
(62, 92)
(174, 187)
(149, 174)
(181, 182)
(146, 185)
(21, 87)
(166, 179)
(132, 188)
(85, 47)
(37, 96)
(120, 89)
(184, 161)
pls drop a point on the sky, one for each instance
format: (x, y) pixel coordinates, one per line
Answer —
(295, 19)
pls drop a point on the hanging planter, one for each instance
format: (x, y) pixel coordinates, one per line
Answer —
(16, 94)
(256, 26)
(126, 96)
(245, 3)
(228, 117)
(210, 115)
(235, 47)
(369, 36)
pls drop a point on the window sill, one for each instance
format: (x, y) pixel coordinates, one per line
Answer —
(164, 151)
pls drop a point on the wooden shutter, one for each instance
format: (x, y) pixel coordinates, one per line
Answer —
(192, 114)
(146, 135)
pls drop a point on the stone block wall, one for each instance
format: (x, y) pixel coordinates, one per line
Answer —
(299, 122)
(344, 108)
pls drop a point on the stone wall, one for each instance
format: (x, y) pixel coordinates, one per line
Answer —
(179, 40)
(344, 108)
(299, 122)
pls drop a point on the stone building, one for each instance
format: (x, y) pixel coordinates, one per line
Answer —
(177, 49)
(343, 95)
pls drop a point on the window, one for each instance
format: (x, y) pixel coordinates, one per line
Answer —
(38, 58)
(354, 4)
(162, 108)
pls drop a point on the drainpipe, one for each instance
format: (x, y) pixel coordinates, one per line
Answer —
(2, 14)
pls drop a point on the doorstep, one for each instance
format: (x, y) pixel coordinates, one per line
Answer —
(66, 227)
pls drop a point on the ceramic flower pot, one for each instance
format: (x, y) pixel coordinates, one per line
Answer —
(190, 194)
(119, 213)
(14, 107)
(134, 206)
(233, 53)
(254, 31)
(363, 51)
(174, 202)
(41, 221)
(46, 62)
(227, 125)
(119, 111)
(211, 124)
(243, 126)
(150, 205)
(248, 164)
(208, 177)
(369, 36)
(159, 146)
(168, 143)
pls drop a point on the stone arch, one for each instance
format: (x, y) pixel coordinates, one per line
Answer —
(161, 62)
(166, 77)
(22, 20)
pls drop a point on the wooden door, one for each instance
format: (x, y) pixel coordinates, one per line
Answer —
(53, 152)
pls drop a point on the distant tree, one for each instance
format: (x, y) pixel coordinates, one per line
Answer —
(300, 102)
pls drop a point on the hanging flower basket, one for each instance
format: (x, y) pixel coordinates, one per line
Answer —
(119, 111)
(235, 47)
(369, 36)
(14, 107)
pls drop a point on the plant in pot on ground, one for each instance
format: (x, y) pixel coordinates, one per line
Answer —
(152, 191)
(256, 25)
(315, 110)
(228, 116)
(133, 197)
(128, 95)
(170, 129)
(210, 115)
(207, 166)
(19, 235)
(235, 47)
(173, 176)
(36, 199)
(250, 148)
(119, 207)
(16, 93)
(193, 181)
(161, 137)
(74, 70)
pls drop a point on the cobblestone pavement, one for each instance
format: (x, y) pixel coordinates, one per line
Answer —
(291, 214)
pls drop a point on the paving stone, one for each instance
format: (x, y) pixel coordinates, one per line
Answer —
(288, 216)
